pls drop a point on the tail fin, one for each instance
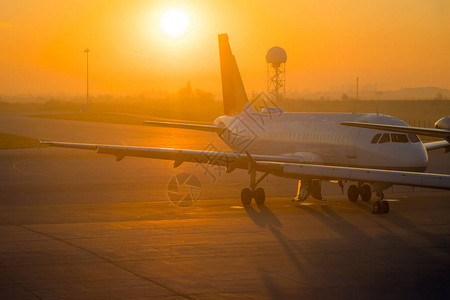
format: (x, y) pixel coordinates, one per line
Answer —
(234, 96)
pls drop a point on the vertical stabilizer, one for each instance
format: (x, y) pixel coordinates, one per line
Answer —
(234, 96)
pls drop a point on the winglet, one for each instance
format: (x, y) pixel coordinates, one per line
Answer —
(39, 143)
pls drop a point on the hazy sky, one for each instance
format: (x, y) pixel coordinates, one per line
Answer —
(394, 44)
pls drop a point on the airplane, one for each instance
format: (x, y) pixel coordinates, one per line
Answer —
(371, 151)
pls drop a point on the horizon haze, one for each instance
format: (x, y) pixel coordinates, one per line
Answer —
(392, 45)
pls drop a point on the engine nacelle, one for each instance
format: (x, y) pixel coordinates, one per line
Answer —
(442, 123)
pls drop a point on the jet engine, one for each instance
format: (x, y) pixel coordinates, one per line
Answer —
(443, 123)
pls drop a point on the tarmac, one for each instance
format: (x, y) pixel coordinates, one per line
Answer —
(78, 225)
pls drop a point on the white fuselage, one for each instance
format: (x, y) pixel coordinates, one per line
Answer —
(319, 138)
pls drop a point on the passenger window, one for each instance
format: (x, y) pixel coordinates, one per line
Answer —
(413, 138)
(399, 138)
(376, 138)
(386, 138)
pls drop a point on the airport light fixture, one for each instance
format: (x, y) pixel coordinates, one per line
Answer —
(87, 79)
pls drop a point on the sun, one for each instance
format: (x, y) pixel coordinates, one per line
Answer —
(174, 22)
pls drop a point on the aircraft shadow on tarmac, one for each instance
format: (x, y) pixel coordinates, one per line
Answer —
(432, 279)
(406, 224)
(264, 217)
(346, 229)
(366, 206)
(334, 221)
(274, 291)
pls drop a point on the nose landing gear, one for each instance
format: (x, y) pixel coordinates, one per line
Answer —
(380, 206)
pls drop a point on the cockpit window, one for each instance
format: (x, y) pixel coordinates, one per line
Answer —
(413, 138)
(376, 138)
(386, 138)
(395, 138)
(399, 138)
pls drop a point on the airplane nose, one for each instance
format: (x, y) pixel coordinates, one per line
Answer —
(415, 158)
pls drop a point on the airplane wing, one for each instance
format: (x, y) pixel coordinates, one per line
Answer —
(441, 133)
(284, 166)
(302, 171)
(200, 127)
(230, 160)
(437, 145)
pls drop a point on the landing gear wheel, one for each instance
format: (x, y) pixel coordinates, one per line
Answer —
(377, 207)
(366, 192)
(303, 191)
(353, 193)
(246, 196)
(384, 207)
(260, 196)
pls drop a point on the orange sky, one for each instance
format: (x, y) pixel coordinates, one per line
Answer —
(393, 44)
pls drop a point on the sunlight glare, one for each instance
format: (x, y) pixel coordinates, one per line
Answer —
(174, 22)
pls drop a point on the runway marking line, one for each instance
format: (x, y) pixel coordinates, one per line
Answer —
(22, 285)
(116, 264)
(15, 167)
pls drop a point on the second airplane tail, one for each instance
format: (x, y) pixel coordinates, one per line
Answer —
(234, 95)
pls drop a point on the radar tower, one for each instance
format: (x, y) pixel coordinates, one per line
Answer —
(276, 72)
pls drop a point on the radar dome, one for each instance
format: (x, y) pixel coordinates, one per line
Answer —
(276, 56)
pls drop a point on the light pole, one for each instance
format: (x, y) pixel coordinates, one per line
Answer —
(87, 79)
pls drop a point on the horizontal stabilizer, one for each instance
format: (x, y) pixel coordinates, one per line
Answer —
(210, 128)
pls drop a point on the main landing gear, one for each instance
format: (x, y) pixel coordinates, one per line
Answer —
(364, 190)
(247, 194)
